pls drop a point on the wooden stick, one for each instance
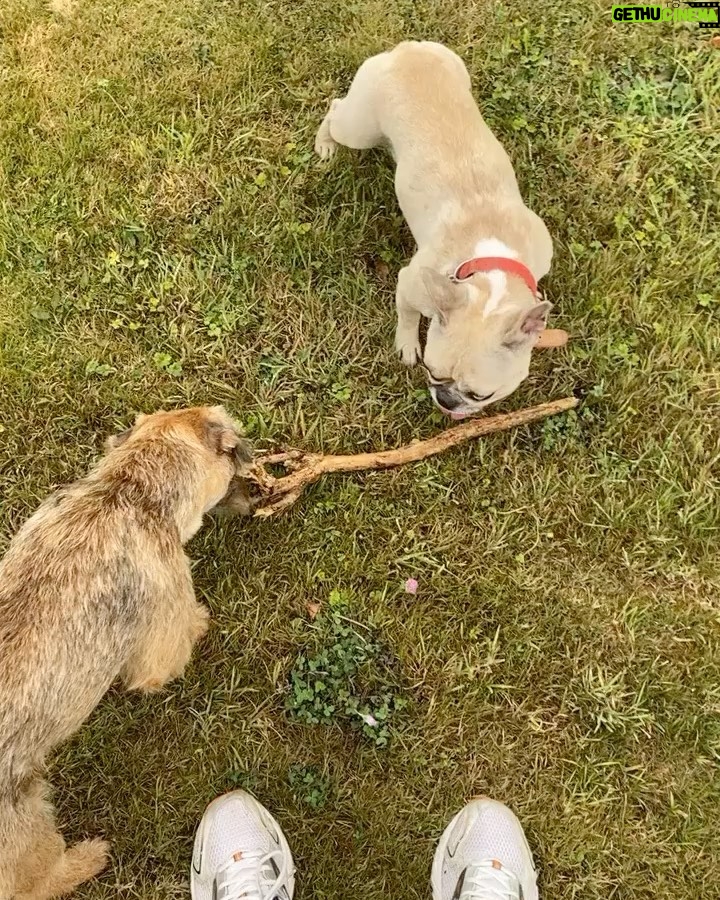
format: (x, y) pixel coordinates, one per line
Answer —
(277, 494)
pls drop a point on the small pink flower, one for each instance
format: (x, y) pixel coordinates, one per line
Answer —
(369, 720)
(411, 586)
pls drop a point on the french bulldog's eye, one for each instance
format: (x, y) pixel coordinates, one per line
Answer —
(476, 398)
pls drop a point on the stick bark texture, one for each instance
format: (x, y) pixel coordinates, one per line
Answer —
(278, 493)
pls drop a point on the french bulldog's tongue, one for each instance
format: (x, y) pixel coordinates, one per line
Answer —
(457, 416)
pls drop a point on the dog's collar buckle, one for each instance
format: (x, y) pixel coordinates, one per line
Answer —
(490, 263)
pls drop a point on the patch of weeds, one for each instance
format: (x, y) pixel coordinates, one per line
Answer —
(568, 430)
(309, 786)
(95, 367)
(270, 368)
(345, 677)
(218, 322)
(657, 94)
(203, 54)
(297, 158)
(299, 227)
(165, 363)
(246, 781)
(563, 431)
(40, 313)
(624, 351)
(341, 392)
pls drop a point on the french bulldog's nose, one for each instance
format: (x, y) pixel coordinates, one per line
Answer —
(446, 398)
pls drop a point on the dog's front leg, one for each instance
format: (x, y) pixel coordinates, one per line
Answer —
(407, 333)
(165, 642)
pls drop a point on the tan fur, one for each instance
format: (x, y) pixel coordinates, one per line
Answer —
(457, 190)
(96, 586)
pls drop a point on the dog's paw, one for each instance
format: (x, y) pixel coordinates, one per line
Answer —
(199, 624)
(408, 349)
(153, 684)
(410, 355)
(86, 860)
(325, 146)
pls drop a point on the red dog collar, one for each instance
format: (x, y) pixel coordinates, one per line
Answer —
(489, 263)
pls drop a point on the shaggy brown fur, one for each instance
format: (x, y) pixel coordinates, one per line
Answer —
(94, 586)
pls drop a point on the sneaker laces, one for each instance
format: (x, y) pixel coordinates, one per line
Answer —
(486, 882)
(252, 877)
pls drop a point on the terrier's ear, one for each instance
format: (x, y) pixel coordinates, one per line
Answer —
(117, 440)
(444, 294)
(225, 439)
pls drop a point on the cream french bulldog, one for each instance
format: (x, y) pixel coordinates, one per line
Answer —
(480, 250)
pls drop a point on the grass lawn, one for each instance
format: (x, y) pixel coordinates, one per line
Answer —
(168, 238)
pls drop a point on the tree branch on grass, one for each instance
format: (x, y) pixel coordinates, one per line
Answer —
(278, 493)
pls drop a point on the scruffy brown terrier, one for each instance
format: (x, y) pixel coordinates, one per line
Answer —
(94, 586)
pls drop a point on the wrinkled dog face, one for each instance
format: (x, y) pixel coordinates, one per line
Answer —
(477, 350)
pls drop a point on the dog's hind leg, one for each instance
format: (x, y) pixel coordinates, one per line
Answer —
(73, 867)
(44, 867)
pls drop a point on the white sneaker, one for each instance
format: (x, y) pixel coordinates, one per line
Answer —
(483, 855)
(240, 852)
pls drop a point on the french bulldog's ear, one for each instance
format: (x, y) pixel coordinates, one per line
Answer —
(442, 292)
(528, 325)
